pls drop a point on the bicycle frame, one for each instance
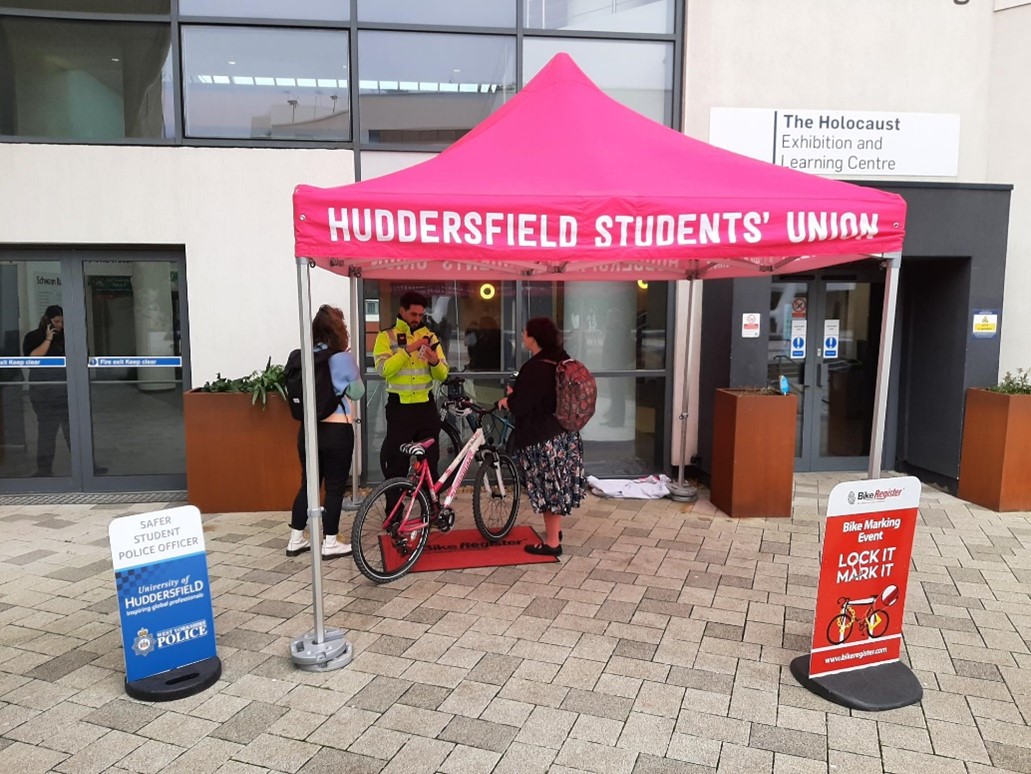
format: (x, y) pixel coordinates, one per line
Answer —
(423, 479)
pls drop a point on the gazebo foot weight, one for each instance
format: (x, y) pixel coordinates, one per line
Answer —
(682, 494)
(874, 689)
(176, 683)
(351, 505)
(334, 652)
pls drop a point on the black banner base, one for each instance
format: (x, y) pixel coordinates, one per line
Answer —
(874, 689)
(177, 683)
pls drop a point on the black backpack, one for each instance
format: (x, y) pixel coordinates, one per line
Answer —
(326, 399)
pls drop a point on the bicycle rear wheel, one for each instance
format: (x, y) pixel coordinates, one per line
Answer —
(496, 494)
(381, 550)
(839, 629)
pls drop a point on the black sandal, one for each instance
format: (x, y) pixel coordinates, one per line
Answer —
(543, 549)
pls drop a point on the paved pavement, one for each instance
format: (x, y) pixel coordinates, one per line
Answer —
(660, 643)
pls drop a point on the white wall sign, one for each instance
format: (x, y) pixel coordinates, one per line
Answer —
(842, 143)
(750, 325)
(798, 332)
(830, 339)
(986, 324)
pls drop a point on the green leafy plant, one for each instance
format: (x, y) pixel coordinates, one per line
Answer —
(1015, 385)
(259, 384)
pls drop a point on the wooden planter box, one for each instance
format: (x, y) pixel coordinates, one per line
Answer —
(753, 453)
(995, 463)
(240, 457)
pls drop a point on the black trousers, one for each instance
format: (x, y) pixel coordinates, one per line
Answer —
(336, 445)
(408, 422)
(50, 402)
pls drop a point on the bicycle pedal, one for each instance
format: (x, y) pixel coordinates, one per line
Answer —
(445, 519)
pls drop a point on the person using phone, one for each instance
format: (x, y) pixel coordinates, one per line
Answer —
(409, 357)
(48, 392)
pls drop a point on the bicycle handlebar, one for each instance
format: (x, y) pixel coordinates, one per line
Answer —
(476, 408)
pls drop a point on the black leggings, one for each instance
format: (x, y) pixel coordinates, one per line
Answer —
(336, 445)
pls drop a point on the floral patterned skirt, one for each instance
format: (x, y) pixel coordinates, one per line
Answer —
(555, 480)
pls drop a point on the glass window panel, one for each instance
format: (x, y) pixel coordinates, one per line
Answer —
(34, 423)
(637, 74)
(475, 321)
(319, 10)
(788, 301)
(626, 435)
(601, 15)
(462, 13)
(401, 97)
(85, 80)
(610, 326)
(92, 6)
(266, 83)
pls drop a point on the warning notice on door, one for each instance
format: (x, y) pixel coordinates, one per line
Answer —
(863, 574)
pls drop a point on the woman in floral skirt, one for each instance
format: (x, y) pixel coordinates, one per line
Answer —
(551, 457)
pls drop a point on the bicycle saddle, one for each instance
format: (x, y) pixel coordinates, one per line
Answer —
(417, 448)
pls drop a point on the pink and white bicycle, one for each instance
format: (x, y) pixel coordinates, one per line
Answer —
(393, 522)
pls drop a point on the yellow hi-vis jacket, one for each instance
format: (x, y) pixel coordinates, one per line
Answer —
(406, 374)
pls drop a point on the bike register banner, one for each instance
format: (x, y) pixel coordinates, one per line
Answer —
(867, 545)
(161, 572)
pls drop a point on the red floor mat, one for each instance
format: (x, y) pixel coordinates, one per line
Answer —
(464, 548)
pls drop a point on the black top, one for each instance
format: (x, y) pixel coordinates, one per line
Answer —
(32, 340)
(532, 401)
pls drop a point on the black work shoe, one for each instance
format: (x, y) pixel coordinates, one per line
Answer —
(543, 549)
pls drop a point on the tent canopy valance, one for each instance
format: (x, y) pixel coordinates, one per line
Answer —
(563, 182)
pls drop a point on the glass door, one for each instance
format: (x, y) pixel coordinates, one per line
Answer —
(135, 368)
(35, 432)
(91, 372)
(825, 339)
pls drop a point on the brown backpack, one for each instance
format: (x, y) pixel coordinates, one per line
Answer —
(576, 393)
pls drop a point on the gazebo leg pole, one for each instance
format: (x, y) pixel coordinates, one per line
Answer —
(357, 338)
(323, 649)
(880, 402)
(680, 491)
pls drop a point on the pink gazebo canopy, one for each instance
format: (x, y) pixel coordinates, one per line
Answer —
(563, 182)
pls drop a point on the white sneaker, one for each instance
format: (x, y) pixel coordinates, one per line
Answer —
(298, 543)
(332, 548)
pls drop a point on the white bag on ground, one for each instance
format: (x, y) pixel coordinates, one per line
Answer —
(647, 488)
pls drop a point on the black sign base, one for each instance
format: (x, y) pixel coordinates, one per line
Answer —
(176, 683)
(874, 689)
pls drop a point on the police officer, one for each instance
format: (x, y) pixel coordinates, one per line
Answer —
(409, 358)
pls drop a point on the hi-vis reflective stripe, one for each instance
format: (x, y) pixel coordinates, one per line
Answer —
(392, 387)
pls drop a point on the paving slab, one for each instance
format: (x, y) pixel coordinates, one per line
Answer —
(659, 643)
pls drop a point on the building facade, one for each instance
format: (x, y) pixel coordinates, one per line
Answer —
(149, 150)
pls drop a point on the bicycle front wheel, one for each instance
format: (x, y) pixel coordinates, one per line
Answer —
(390, 530)
(877, 623)
(496, 495)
